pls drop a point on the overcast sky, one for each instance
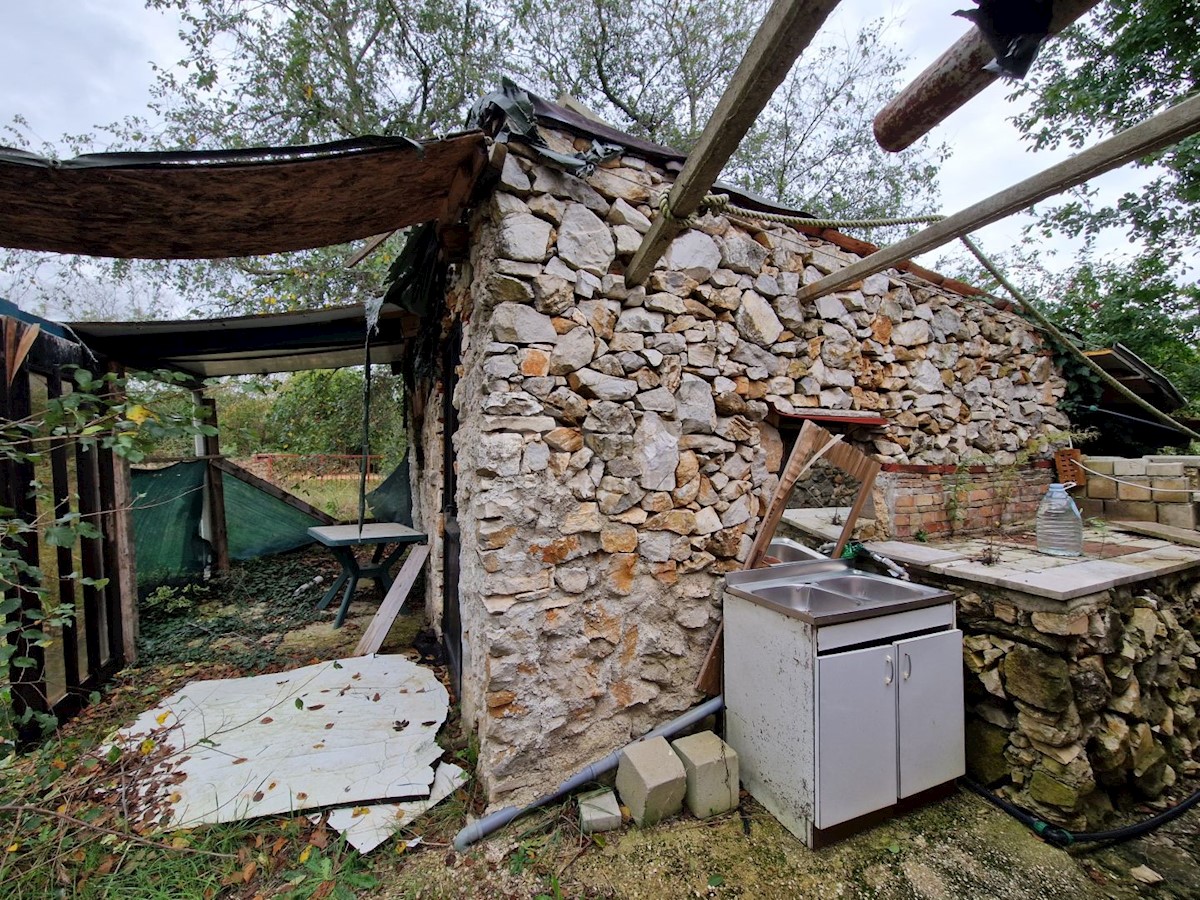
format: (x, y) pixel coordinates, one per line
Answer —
(67, 66)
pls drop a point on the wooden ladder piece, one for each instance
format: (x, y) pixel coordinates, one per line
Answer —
(381, 624)
(813, 443)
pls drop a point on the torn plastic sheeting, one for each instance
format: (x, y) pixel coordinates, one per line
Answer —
(366, 827)
(347, 731)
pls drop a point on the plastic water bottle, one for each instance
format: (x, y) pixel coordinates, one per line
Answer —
(1059, 524)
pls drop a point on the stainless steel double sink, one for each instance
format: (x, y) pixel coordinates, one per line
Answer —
(827, 591)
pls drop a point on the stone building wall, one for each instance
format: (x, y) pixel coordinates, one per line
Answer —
(1072, 706)
(425, 473)
(614, 449)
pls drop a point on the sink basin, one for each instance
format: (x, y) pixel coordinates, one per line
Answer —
(876, 590)
(787, 551)
(827, 591)
(807, 598)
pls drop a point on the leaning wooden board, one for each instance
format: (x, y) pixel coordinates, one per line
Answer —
(813, 443)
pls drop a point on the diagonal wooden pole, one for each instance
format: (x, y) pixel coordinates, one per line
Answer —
(786, 31)
(1162, 130)
(812, 443)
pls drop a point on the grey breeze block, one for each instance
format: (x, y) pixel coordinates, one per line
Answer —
(712, 773)
(598, 811)
(651, 781)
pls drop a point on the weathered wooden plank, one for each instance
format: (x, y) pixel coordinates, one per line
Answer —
(377, 630)
(949, 82)
(867, 481)
(785, 32)
(209, 447)
(1185, 536)
(1162, 130)
(28, 683)
(60, 487)
(812, 443)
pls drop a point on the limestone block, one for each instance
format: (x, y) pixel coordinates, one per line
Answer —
(1099, 488)
(1134, 511)
(1134, 487)
(712, 773)
(651, 780)
(1170, 489)
(1165, 469)
(584, 242)
(1125, 467)
(1101, 464)
(523, 237)
(598, 811)
(694, 253)
(1178, 515)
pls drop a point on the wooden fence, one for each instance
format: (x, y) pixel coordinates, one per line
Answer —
(99, 639)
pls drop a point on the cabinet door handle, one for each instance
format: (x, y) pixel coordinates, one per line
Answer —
(907, 666)
(891, 671)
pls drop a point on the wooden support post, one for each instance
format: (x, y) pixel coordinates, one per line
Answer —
(28, 682)
(1162, 130)
(209, 447)
(949, 82)
(786, 31)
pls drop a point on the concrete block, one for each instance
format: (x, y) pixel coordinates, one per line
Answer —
(1101, 464)
(1165, 469)
(1171, 490)
(1179, 515)
(1134, 487)
(599, 811)
(1101, 488)
(712, 773)
(1091, 508)
(1131, 510)
(651, 781)
(1125, 467)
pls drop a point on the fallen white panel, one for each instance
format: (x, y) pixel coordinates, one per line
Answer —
(346, 731)
(366, 827)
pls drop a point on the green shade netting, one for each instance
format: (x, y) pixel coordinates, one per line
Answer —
(166, 522)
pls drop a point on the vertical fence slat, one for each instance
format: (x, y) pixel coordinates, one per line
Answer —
(28, 682)
(87, 483)
(112, 567)
(61, 489)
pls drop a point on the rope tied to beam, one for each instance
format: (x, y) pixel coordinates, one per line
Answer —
(721, 203)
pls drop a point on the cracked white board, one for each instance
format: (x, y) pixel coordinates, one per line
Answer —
(366, 827)
(347, 731)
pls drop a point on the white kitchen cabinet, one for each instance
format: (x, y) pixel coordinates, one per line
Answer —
(836, 723)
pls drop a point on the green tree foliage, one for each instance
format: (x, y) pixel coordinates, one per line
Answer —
(299, 71)
(1141, 306)
(1122, 64)
(320, 411)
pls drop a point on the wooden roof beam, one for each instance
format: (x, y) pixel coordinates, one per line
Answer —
(1162, 130)
(949, 82)
(787, 29)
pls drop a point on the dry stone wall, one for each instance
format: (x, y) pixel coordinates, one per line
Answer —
(1074, 708)
(615, 448)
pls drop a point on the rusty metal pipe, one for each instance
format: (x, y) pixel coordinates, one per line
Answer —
(949, 82)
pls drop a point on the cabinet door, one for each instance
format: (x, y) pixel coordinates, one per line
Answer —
(930, 706)
(856, 733)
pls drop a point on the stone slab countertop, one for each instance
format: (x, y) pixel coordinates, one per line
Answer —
(1013, 561)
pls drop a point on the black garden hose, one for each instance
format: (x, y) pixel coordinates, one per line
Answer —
(1060, 837)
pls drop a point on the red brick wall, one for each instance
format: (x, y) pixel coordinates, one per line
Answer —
(944, 500)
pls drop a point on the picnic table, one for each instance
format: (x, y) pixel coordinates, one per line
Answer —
(344, 539)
